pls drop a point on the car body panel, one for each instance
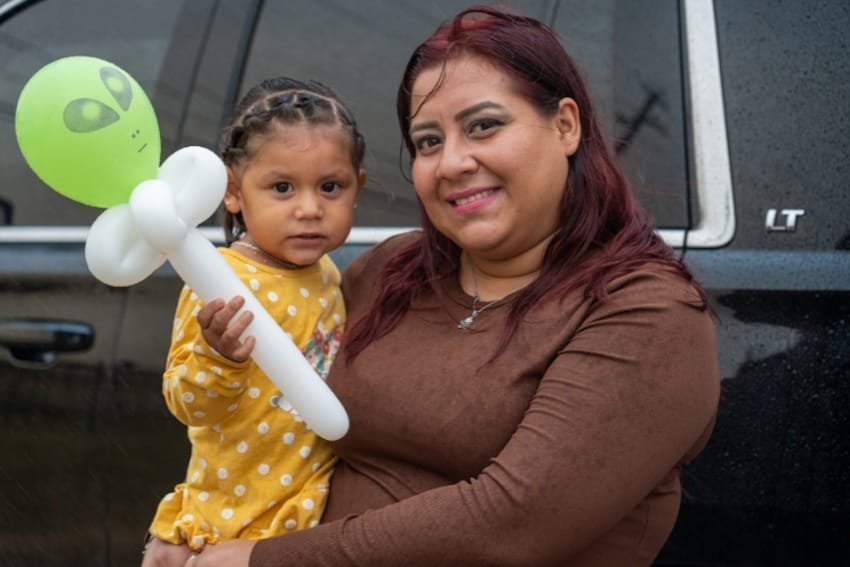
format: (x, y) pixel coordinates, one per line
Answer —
(748, 123)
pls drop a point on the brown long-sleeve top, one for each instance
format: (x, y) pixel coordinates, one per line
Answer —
(565, 450)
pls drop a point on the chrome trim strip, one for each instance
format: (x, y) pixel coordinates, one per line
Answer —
(12, 5)
(77, 234)
(358, 235)
(43, 234)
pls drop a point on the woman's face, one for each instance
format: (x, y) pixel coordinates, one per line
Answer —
(489, 168)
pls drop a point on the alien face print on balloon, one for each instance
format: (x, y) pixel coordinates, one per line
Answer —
(96, 141)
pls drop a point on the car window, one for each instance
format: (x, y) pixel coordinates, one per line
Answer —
(136, 40)
(630, 52)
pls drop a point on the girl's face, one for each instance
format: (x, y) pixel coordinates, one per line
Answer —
(489, 169)
(297, 191)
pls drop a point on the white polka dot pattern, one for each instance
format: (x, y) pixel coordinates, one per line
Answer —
(256, 468)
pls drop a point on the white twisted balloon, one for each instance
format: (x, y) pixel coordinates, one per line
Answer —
(128, 242)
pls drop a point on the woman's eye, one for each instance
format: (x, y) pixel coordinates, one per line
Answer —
(425, 143)
(484, 125)
(283, 187)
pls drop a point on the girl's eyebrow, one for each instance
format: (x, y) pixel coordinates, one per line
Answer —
(459, 116)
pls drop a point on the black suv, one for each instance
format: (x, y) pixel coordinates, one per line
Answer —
(731, 118)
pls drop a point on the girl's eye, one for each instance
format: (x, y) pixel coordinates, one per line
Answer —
(283, 187)
(330, 187)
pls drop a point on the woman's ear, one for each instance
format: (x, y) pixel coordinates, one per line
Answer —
(231, 195)
(568, 124)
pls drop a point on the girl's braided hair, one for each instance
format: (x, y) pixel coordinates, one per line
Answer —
(286, 101)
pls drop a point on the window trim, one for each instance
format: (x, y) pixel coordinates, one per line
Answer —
(712, 169)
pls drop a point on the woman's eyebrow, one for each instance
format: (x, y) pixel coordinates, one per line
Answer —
(476, 108)
(460, 116)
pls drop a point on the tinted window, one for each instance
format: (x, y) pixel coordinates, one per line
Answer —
(629, 51)
(136, 40)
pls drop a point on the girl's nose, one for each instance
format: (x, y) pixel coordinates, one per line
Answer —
(309, 206)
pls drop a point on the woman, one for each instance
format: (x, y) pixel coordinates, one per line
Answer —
(526, 376)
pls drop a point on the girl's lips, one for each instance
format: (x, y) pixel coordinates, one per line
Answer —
(308, 237)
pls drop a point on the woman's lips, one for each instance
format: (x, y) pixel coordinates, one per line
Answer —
(471, 201)
(471, 198)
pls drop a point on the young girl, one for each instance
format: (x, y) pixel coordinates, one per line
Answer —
(293, 154)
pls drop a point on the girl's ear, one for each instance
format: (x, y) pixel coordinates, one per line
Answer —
(568, 125)
(232, 200)
(361, 181)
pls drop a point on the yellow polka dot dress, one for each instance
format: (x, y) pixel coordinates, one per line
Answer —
(255, 469)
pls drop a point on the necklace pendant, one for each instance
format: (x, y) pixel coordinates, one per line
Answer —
(466, 323)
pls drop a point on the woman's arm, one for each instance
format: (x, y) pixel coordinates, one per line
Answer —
(234, 553)
(622, 405)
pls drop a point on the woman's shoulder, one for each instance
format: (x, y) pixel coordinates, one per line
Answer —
(362, 273)
(656, 280)
(371, 261)
(392, 245)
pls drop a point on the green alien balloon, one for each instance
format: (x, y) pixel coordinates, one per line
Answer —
(88, 130)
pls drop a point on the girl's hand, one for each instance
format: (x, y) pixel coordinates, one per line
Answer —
(162, 554)
(234, 553)
(222, 331)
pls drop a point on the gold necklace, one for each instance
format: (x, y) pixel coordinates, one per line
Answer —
(274, 259)
(467, 322)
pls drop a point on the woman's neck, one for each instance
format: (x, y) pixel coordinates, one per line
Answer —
(490, 281)
(493, 277)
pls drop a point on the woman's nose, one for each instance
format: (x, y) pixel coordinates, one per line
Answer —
(456, 159)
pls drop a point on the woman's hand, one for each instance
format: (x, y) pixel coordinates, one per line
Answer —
(234, 553)
(222, 331)
(162, 554)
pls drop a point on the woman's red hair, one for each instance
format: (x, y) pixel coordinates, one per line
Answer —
(603, 234)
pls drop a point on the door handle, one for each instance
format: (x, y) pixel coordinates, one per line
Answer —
(36, 343)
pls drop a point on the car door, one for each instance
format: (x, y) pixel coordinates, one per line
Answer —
(189, 58)
(88, 468)
(86, 445)
(773, 485)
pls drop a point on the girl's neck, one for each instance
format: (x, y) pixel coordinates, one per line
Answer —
(259, 255)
